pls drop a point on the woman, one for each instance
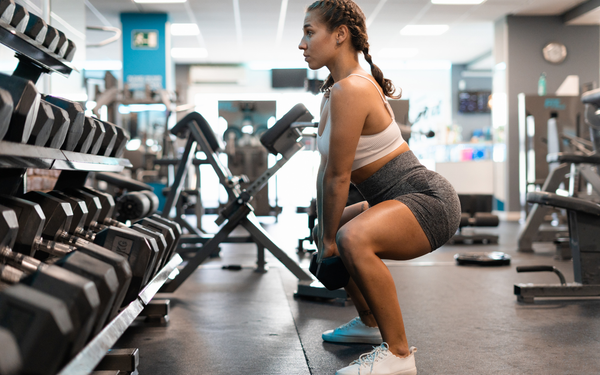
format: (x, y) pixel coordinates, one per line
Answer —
(409, 210)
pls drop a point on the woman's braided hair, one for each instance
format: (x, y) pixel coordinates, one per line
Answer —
(335, 13)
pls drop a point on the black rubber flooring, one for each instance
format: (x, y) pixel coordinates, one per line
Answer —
(462, 319)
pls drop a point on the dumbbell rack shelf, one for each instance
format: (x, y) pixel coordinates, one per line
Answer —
(17, 155)
(89, 357)
(34, 51)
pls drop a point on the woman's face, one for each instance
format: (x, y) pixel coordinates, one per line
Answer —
(318, 43)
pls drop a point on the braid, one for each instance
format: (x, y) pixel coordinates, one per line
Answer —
(335, 13)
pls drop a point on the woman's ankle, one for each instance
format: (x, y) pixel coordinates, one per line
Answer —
(367, 318)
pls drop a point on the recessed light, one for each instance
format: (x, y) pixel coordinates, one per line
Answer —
(189, 53)
(457, 2)
(397, 53)
(184, 29)
(158, 1)
(424, 29)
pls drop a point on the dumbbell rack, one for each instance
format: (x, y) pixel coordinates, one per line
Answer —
(15, 158)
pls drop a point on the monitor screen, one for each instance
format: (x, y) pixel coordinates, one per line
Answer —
(474, 101)
(286, 78)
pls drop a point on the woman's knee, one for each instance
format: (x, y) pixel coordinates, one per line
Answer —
(351, 243)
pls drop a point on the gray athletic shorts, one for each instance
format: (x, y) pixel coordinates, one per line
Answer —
(429, 196)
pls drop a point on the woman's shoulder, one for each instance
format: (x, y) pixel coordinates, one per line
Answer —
(351, 85)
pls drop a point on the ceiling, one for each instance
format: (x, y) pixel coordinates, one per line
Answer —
(251, 31)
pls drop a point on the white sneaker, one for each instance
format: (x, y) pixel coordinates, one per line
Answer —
(355, 331)
(381, 361)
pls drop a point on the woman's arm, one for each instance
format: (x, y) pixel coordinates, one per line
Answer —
(348, 113)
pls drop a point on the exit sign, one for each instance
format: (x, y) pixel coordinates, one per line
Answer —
(144, 39)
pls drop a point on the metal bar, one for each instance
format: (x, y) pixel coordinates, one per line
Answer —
(261, 237)
(203, 253)
(223, 173)
(537, 213)
(175, 190)
(161, 277)
(527, 292)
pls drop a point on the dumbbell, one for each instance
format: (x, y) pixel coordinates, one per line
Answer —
(52, 38)
(20, 18)
(26, 101)
(138, 250)
(76, 125)
(156, 240)
(7, 9)
(122, 138)
(110, 139)
(41, 324)
(135, 205)
(85, 262)
(331, 272)
(99, 213)
(60, 126)
(168, 233)
(10, 355)
(79, 294)
(6, 109)
(98, 135)
(36, 28)
(42, 128)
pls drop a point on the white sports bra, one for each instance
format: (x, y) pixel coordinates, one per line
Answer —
(370, 147)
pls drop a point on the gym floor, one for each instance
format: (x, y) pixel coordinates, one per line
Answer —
(462, 319)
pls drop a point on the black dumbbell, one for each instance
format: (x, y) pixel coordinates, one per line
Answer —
(7, 9)
(26, 101)
(36, 28)
(99, 136)
(62, 45)
(122, 139)
(20, 18)
(31, 225)
(41, 326)
(51, 40)
(6, 109)
(79, 294)
(10, 355)
(110, 139)
(168, 234)
(139, 251)
(76, 118)
(42, 127)
(135, 205)
(87, 136)
(70, 52)
(97, 212)
(60, 126)
(331, 272)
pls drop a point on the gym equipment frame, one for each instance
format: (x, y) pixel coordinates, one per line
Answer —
(284, 139)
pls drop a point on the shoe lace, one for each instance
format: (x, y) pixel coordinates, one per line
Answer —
(351, 323)
(372, 357)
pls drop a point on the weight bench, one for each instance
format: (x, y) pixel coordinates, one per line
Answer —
(283, 139)
(584, 230)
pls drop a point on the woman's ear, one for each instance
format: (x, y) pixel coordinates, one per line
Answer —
(342, 33)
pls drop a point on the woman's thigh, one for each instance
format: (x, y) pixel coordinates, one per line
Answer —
(388, 229)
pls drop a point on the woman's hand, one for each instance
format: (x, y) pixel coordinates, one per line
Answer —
(325, 249)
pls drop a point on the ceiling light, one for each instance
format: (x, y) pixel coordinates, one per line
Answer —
(397, 53)
(457, 2)
(424, 29)
(189, 53)
(158, 1)
(185, 29)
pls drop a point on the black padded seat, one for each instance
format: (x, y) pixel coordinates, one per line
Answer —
(591, 97)
(569, 203)
(562, 157)
(181, 128)
(271, 136)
